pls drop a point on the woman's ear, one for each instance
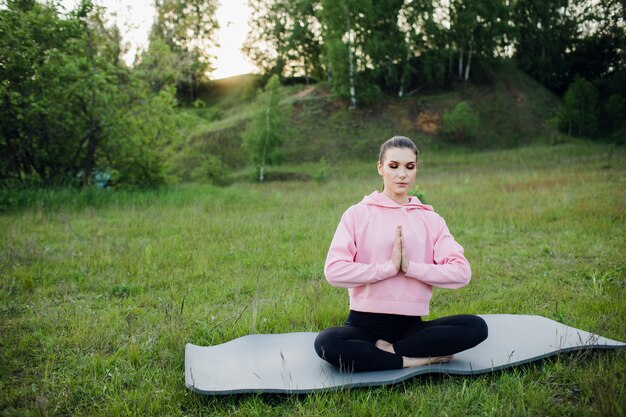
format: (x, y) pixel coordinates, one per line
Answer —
(379, 166)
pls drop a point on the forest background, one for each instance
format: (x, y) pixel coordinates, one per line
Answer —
(74, 113)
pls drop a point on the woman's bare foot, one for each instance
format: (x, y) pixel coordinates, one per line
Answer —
(414, 362)
(384, 345)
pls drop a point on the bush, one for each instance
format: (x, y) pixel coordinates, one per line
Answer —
(321, 175)
(416, 192)
(69, 111)
(462, 123)
(211, 169)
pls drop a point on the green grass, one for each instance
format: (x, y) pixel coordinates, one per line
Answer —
(99, 292)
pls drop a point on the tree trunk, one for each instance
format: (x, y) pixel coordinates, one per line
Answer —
(267, 132)
(351, 63)
(90, 159)
(405, 72)
(192, 78)
(469, 62)
(581, 121)
(461, 64)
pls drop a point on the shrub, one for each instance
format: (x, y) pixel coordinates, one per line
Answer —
(211, 169)
(462, 123)
(416, 192)
(321, 175)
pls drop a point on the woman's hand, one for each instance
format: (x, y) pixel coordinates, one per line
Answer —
(405, 259)
(396, 253)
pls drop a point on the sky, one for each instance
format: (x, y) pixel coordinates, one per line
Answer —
(134, 18)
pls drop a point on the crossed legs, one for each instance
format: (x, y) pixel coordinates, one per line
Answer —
(359, 349)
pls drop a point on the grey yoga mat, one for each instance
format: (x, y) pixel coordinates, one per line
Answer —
(287, 363)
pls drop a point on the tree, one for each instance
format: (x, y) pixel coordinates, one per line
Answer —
(159, 66)
(263, 136)
(343, 42)
(189, 28)
(383, 43)
(579, 114)
(69, 108)
(429, 54)
(284, 38)
(48, 129)
(558, 41)
(143, 138)
(615, 113)
(478, 28)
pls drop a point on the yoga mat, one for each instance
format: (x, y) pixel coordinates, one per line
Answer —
(287, 363)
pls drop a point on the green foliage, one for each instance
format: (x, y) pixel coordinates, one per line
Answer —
(338, 19)
(70, 108)
(556, 42)
(211, 169)
(143, 139)
(336, 53)
(198, 103)
(479, 29)
(45, 97)
(383, 42)
(250, 90)
(399, 47)
(189, 29)
(321, 175)
(264, 135)
(462, 123)
(282, 39)
(417, 192)
(579, 113)
(159, 66)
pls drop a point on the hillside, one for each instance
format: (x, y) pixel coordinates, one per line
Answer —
(513, 110)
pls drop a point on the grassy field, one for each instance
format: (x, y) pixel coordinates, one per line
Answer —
(100, 291)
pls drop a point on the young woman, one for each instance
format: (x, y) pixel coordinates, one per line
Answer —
(389, 251)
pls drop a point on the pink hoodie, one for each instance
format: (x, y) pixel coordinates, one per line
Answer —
(359, 257)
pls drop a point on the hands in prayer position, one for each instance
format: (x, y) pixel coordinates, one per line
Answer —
(399, 254)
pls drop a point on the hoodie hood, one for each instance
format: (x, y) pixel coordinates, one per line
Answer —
(382, 200)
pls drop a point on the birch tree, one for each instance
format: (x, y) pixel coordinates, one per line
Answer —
(343, 44)
(478, 28)
(423, 38)
(263, 136)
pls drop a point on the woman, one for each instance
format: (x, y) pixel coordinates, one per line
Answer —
(389, 251)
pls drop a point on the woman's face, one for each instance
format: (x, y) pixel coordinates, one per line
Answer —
(398, 170)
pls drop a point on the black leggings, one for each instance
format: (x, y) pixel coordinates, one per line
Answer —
(351, 348)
